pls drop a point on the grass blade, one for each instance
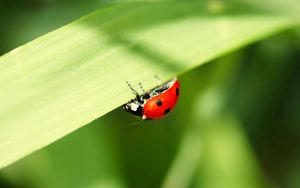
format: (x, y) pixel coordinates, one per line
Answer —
(71, 76)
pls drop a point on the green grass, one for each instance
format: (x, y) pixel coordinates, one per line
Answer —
(76, 74)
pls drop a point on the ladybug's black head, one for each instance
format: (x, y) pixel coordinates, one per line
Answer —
(134, 108)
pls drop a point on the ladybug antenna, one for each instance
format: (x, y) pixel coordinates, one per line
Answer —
(158, 78)
(141, 87)
(131, 88)
(137, 95)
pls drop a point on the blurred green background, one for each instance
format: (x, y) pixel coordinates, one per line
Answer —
(236, 124)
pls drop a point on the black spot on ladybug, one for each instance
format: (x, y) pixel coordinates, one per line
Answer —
(177, 92)
(167, 110)
(158, 102)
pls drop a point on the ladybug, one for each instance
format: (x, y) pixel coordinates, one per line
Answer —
(155, 103)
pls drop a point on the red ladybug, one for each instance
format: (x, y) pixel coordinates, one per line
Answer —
(155, 103)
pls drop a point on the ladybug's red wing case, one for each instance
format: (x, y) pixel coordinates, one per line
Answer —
(160, 105)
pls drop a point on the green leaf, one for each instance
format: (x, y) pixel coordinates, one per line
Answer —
(71, 76)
